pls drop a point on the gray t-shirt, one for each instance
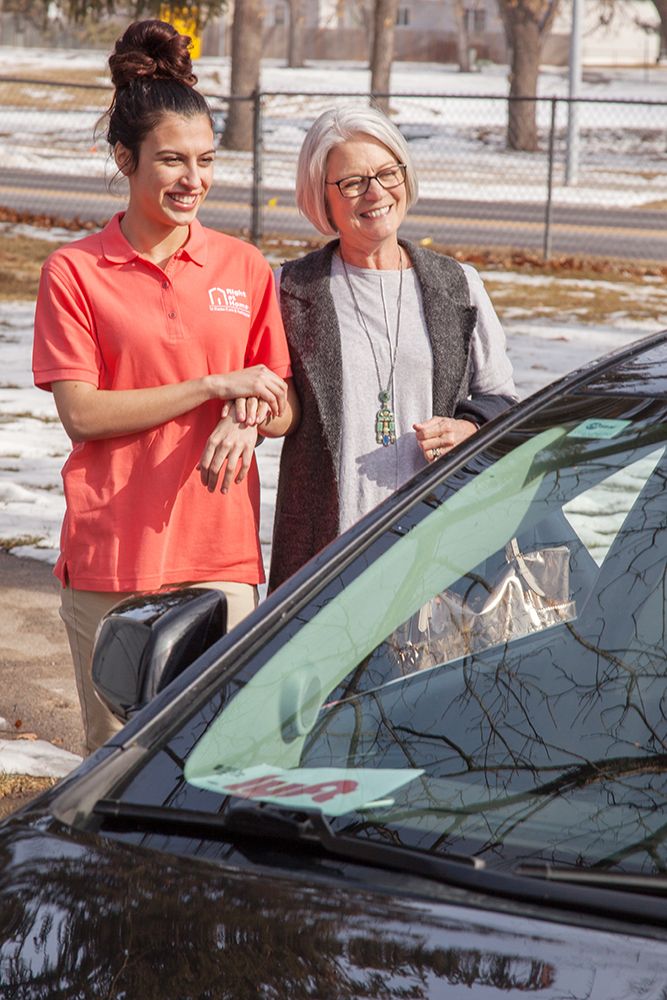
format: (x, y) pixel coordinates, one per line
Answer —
(369, 472)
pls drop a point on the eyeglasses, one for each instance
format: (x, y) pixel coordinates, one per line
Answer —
(388, 178)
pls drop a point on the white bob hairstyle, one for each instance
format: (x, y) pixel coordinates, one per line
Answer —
(332, 127)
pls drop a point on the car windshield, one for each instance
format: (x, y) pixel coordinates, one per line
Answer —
(486, 677)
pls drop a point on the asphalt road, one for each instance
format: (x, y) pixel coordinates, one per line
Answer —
(628, 233)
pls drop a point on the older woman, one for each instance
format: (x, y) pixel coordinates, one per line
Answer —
(397, 353)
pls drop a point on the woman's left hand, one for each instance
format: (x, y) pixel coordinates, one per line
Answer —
(249, 412)
(231, 444)
(440, 434)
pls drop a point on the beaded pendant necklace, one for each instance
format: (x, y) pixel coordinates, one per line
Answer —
(385, 419)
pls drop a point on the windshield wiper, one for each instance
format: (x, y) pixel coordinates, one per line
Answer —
(234, 820)
(655, 885)
(527, 883)
(265, 821)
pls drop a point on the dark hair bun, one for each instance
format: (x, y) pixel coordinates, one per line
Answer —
(151, 49)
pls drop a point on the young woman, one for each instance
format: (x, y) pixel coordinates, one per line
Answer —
(143, 332)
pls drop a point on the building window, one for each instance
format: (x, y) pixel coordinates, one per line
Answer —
(403, 17)
(475, 21)
(279, 13)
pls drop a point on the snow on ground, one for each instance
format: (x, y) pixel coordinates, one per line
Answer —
(36, 758)
(327, 76)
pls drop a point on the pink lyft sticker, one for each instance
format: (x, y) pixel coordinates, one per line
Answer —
(333, 790)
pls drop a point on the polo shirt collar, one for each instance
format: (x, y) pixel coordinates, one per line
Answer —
(196, 247)
(117, 250)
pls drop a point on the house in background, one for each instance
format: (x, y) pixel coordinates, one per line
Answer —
(623, 34)
(425, 30)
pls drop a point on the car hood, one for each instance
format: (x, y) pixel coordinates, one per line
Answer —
(84, 916)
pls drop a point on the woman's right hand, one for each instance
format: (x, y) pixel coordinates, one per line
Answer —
(258, 382)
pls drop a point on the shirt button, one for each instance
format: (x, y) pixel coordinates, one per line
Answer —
(165, 284)
(172, 315)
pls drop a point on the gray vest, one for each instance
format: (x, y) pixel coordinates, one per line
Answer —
(306, 516)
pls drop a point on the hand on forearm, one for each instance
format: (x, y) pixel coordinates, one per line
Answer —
(88, 413)
(254, 412)
(250, 411)
(258, 382)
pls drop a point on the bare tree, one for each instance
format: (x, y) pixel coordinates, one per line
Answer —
(246, 61)
(35, 14)
(295, 39)
(382, 50)
(462, 40)
(78, 10)
(661, 7)
(527, 24)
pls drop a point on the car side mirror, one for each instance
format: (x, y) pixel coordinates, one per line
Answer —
(144, 642)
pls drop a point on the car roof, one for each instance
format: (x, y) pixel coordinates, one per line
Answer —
(641, 372)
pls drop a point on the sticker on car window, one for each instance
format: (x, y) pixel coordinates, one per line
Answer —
(599, 428)
(333, 790)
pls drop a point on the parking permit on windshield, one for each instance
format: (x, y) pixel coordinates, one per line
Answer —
(335, 791)
(599, 428)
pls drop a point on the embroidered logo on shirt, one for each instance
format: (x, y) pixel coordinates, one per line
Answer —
(231, 300)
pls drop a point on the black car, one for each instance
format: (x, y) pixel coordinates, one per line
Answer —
(431, 764)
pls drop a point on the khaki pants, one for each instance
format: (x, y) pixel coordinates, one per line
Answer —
(82, 612)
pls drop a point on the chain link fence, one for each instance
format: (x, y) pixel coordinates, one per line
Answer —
(595, 185)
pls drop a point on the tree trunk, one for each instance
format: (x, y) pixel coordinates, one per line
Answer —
(521, 119)
(462, 42)
(382, 52)
(246, 62)
(661, 7)
(527, 23)
(295, 39)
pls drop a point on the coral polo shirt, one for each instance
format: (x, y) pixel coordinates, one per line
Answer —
(137, 516)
